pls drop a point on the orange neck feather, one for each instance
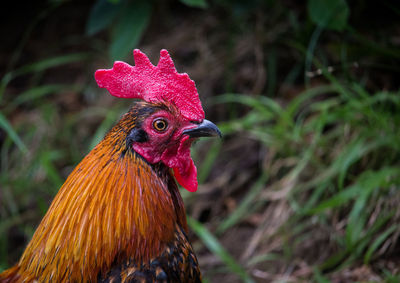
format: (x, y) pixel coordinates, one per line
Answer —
(112, 207)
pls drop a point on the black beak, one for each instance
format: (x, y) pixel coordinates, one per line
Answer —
(204, 129)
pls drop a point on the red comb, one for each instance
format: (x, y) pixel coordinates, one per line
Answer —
(153, 83)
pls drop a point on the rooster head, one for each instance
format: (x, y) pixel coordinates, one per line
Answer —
(171, 117)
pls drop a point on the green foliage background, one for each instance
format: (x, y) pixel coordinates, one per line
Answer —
(304, 186)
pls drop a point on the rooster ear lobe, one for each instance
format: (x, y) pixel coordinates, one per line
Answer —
(137, 135)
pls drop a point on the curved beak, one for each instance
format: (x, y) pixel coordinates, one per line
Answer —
(204, 129)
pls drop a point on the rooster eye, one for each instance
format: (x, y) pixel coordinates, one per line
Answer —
(160, 125)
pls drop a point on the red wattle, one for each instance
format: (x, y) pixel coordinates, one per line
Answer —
(189, 179)
(178, 158)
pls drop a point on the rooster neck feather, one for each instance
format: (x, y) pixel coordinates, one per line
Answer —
(113, 206)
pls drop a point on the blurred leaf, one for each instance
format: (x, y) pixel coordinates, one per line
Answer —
(40, 66)
(48, 63)
(129, 28)
(390, 277)
(329, 14)
(108, 122)
(263, 257)
(369, 182)
(6, 126)
(264, 105)
(208, 161)
(319, 278)
(195, 3)
(245, 205)
(378, 242)
(217, 249)
(33, 94)
(334, 260)
(47, 159)
(338, 199)
(357, 217)
(101, 15)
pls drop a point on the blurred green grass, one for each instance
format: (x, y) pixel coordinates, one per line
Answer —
(323, 194)
(345, 157)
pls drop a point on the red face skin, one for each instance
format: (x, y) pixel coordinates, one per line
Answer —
(159, 84)
(169, 146)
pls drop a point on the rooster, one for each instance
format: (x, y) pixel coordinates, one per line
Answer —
(119, 216)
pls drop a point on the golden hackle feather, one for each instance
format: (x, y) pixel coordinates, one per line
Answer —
(112, 206)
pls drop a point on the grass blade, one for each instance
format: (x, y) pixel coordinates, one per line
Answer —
(245, 205)
(40, 66)
(217, 249)
(209, 160)
(382, 237)
(6, 126)
(50, 63)
(36, 93)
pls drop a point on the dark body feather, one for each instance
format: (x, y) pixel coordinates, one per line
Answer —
(177, 263)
